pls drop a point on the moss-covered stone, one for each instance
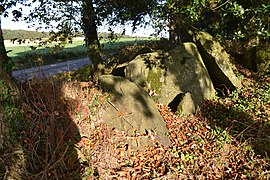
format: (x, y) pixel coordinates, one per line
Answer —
(180, 70)
(263, 58)
(186, 105)
(217, 61)
(154, 80)
(257, 58)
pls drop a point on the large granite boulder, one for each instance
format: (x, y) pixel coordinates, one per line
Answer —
(132, 110)
(171, 75)
(217, 62)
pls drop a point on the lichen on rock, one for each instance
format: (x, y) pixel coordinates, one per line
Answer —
(181, 70)
(154, 81)
(217, 61)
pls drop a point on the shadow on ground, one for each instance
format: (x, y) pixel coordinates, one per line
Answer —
(241, 125)
(50, 135)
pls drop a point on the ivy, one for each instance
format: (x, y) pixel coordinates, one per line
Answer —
(12, 115)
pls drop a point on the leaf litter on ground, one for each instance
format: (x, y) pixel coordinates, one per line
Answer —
(222, 141)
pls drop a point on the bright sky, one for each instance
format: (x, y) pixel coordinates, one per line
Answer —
(7, 23)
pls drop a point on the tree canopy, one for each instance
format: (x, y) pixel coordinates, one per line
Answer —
(225, 19)
(5, 67)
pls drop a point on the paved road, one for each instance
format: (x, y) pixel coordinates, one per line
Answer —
(49, 70)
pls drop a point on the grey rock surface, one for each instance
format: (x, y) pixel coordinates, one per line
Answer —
(169, 74)
(217, 62)
(132, 109)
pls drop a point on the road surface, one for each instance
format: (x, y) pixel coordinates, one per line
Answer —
(49, 70)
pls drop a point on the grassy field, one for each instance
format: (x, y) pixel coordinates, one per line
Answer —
(23, 56)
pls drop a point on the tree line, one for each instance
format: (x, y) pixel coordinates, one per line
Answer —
(23, 34)
(9, 34)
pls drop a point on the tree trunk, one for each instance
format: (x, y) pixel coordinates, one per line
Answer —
(89, 23)
(3, 53)
(5, 69)
(91, 36)
(171, 6)
(172, 30)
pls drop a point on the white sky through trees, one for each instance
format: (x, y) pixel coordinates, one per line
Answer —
(7, 23)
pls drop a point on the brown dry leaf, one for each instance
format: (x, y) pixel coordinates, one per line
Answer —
(120, 113)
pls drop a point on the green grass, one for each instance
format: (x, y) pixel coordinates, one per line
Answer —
(24, 57)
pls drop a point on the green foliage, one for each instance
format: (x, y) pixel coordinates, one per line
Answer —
(226, 20)
(12, 116)
(7, 65)
(222, 136)
(120, 12)
(82, 74)
(7, 4)
(245, 114)
(253, 99)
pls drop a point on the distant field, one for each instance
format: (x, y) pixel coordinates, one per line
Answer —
(24, 57)
(16, 49)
